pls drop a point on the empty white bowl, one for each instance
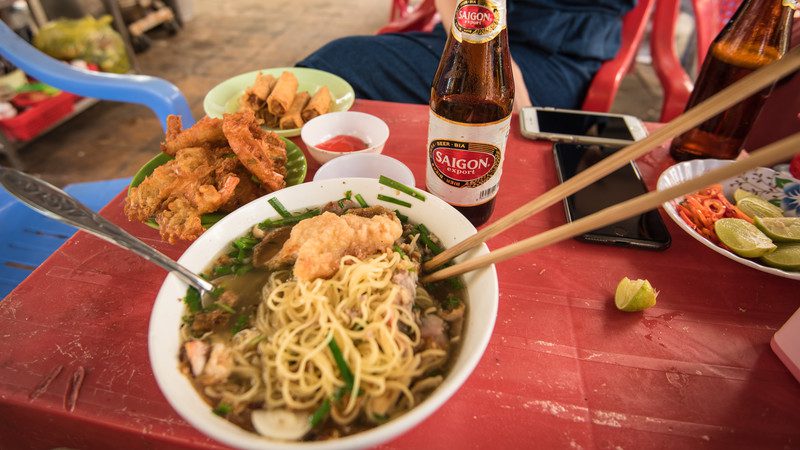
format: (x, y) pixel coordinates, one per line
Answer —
(370, 129)
(366, 165)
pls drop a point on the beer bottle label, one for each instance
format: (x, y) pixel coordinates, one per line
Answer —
(478, 21)
(465, 161)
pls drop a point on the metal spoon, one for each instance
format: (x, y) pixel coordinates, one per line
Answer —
(57, 204)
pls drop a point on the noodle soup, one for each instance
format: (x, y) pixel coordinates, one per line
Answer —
(319, 328)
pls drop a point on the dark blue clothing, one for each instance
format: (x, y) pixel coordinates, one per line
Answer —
(558, 45)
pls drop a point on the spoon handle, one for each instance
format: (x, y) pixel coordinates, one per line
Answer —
(57, 204)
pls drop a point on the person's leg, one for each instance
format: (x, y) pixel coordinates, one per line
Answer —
(554, 80)
(390, 67)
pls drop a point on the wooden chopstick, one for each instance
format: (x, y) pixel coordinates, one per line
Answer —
(767, 156)
(724, 99)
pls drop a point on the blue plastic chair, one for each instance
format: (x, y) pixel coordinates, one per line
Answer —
(26, 237)
(161, 96)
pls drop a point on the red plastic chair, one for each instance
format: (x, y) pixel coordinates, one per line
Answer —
(710, 17)
(607, 80)
(404, 18)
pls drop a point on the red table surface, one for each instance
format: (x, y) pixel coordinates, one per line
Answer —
(564, 368)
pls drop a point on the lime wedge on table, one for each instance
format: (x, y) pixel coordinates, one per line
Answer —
(743, 238)
(634, 295)
(758, 207)
(741, 193)
(786, 257)
(780, 229)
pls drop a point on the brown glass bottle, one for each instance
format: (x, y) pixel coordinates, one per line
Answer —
(757, 34)
(472, 96)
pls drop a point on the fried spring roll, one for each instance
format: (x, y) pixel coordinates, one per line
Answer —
(319, 104)
(292, 117)
(280, 99)
(263, 85)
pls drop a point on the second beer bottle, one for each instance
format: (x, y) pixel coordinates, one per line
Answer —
(471, 102)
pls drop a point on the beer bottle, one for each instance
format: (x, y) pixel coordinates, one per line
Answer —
(471, 101)
(756, 35)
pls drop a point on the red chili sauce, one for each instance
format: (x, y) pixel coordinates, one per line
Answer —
(343, 143)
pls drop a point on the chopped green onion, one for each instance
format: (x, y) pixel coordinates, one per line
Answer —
(396, 201)
(380, 418)
(386, 181)
(246, 242)
(269, 223)
(255, 180)
(241, 324)
(279, 207)
(452, 302)
(255, 340)
(217, 291)
(424, 236)
(241, 270)
(341, 203)
(229, 155)
(226, 269)
(361, 201)
(224, 307)
(397, 248)
(222, 410)
(192, 299)
(403, 218)
(320, 414)
(348, 195)
(343, 368)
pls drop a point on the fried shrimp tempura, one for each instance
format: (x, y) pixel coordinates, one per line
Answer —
(205, 133)
(316, 245)
(261, 152)
(180, 191)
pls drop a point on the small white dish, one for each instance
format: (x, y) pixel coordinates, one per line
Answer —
(370, 129)
(764, 182)
(366, 165)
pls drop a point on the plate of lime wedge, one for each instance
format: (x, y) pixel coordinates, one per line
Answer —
(764, 230)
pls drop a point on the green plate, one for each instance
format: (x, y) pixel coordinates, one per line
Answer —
(224, 97)
(295, 174)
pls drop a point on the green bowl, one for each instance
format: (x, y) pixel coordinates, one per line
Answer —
(224, 97)
(296, 167)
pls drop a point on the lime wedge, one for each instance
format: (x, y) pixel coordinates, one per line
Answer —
(634, 295)
(741, 193)
(758, 207)
(743, 238)
(780, 229)
(786, 257)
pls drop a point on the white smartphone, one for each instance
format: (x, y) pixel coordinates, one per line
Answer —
(581, 127)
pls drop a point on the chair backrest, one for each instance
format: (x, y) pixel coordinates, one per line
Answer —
(404, 17)
(606, 81)
(710, 16)
(161, 96)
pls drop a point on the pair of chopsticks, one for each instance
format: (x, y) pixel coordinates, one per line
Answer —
(769, 155)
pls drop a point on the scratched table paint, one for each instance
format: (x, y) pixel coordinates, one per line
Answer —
(563, 369)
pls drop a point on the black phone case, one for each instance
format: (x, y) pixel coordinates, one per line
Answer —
(620, 241)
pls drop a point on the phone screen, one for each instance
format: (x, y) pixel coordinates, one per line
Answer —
(646, 230)
(583, 125)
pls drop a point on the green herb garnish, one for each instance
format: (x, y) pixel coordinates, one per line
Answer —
(396, 201)
(222, 410)
(397, 248)
(279, 207)
(403, 218)
(224, 307)
(192, 299)
(241, 324)
(386, 181)
(277, 223)
(347, 375)
(320, 414)
(361, 201)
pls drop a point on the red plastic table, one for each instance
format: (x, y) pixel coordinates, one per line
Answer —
(564, 368)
